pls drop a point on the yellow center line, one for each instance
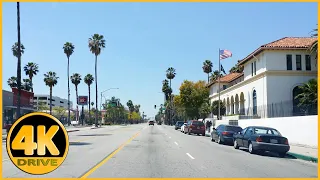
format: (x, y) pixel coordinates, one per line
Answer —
(108, 157)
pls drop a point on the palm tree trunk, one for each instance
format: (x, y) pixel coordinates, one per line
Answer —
(51, 100)
(208, 78)
(77, 116)
(19, 62)
(89, 103)
(96, 120)
(30, 77)
(69, 120)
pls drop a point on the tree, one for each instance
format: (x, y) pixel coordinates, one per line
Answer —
(205, 110)
(12, 82)
(215, 108)
(314, 46)
(193, 95)
(166, 89)
(68, 49)
(130, 107)
(171, 74)
(214, 76)
(207, 67)
(50, 80)
(96, 44)
(76, 79)
(88, 79)
(31, 69)
(59, 112)
(236, 69)
(308, 98)
(137, 108)
(27, 84)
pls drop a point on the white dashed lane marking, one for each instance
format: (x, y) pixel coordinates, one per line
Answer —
(190, 156)
(176, 143)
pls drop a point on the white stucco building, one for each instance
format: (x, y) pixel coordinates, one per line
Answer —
(268, 83)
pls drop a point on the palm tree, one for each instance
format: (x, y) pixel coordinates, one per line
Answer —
(207, 67)
(214, 76)
(171, 74)
(96, 44)
(31, 69)
(130, 107)
(51, 80)
(308, 98)
(18, 50)
(314, 47)
(166, 89)
(27, 84)
(88, 79)
(68, 49)
(12, 81)
(76, 79)
(236, 69)
(137, 108)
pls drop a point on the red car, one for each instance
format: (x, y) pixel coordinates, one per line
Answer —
(195, 127)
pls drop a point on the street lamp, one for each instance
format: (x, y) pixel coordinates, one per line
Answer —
(101, 96)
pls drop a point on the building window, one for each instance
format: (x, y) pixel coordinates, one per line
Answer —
(61, 102)
(251, 69)
(289, 62)
(224, 87)
(308, 63)
(298, 62)
(254, 102)
(255, 68)
(43, 98)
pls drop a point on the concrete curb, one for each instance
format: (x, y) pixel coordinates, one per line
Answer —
(303, 157)
(73, 130)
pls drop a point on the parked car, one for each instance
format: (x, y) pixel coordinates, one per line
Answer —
(259, 139)
(151, 122)
(224, 133)
(182, 127)
(195, 127)
(178, 125)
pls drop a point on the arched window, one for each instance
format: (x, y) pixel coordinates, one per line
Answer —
(296, 110)
(254, 102)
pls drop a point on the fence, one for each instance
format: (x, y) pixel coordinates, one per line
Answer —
(281, 109)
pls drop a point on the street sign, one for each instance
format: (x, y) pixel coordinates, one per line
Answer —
(83, 100)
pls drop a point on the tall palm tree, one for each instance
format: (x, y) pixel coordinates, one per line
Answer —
(171, 74)
(137, 108)
(31, 69)
(18, 50)
(12, 81)
(314, 47)
(96, 44)
(88, 79)
(207, 67)
(51, 80)
(68, 49)
(130, 107)
(214, 76)
(76, 79)
(166, 89)
(27, 84)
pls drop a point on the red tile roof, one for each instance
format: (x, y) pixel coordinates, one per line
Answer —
(285, 43)
(227, 78)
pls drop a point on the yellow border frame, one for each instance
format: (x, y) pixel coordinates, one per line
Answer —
(152, 1)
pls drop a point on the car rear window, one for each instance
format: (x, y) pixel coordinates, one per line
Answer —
(266, 131)
(180, 122)
(233, 128)
(197, 123)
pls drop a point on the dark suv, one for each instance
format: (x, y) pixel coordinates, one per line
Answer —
(195, 127)
(151, 123)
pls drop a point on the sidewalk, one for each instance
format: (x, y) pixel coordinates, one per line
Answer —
(299, 151)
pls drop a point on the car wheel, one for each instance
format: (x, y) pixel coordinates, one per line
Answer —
(189, 132)
(235, 144)
(212, 139)
(204, 134)
(219, 140)
(251, 150)
(282, 155)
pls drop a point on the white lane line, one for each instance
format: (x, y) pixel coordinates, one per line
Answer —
(176, 143)
(190, 156)
(169, 137)
(166, 134)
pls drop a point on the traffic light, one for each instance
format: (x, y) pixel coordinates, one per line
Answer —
(155, 106)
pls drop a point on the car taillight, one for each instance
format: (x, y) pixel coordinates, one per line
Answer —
(225, 133)
(286, 142)
(191, 126)
(259, 139)
(202, 127)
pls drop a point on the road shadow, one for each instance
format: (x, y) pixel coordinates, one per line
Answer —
(271, 154)
(78, 143)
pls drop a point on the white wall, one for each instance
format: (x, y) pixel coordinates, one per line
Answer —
(298, 129)
(277, 60)
(260, 65)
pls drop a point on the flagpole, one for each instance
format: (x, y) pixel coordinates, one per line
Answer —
(219, 86)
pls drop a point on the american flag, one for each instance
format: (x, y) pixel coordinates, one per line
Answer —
(225, 54)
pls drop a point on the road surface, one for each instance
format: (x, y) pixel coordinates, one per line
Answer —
(160, 151)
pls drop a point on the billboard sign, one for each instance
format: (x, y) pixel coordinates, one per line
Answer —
(26, 98)
(83, 100)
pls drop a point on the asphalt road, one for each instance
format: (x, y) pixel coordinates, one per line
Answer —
(160, 151)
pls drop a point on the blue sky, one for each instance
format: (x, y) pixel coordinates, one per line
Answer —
(143, 40)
